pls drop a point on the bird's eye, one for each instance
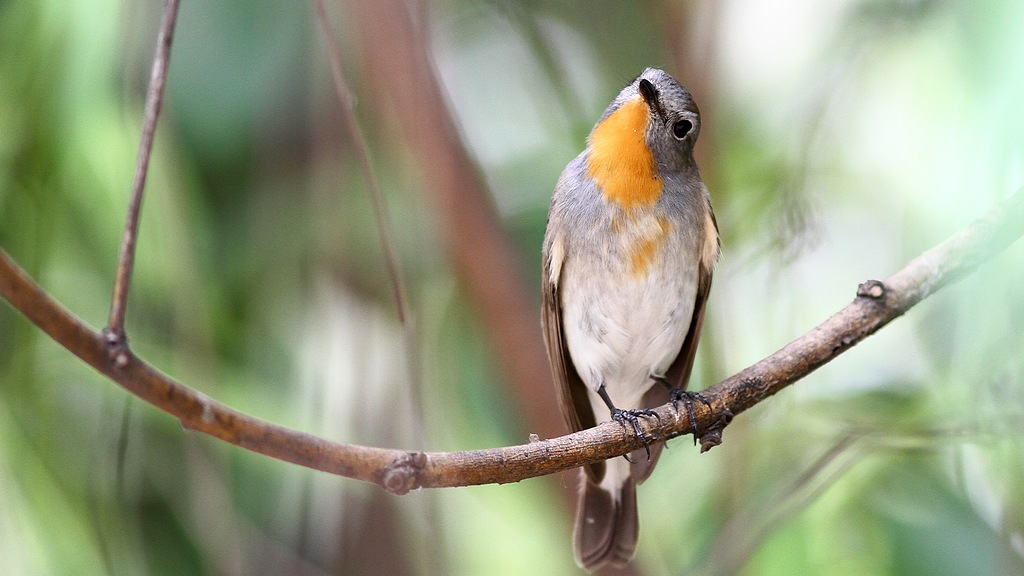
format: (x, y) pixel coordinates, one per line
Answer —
(681, 128)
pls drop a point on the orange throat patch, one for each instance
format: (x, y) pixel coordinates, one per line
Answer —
(620, 162)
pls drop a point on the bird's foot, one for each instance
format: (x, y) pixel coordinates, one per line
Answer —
(632, 418)
(676, 395)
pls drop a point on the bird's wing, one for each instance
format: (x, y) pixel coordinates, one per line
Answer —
(571, 391)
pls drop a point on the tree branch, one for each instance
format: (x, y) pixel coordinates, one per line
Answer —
(355, 135)
(877, 303)
(154, 101)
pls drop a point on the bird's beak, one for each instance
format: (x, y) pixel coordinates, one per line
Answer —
(650, 95)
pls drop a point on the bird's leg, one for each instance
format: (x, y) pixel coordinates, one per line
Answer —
(676, 394)
(632, 417)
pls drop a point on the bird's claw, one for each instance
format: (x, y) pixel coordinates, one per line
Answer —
(632, 418)
(675, 395)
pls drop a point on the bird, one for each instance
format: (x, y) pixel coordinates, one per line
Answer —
(629, 251)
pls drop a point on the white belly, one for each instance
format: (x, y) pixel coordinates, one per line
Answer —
(621, 329)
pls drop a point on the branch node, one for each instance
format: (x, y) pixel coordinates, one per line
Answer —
(117, 347)
(873, 289)
(534, 438)
(712, 436)
(402, 474)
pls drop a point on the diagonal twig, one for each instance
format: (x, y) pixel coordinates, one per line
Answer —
(355, 134)
(126, 258)
(398, 471)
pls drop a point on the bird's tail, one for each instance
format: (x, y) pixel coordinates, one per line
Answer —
(606, 523)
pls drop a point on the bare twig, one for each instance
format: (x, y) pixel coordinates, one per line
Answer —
(744, 532)
(380, 213)
(876, 304)
(126, 258)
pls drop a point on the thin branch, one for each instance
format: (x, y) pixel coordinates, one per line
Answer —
(398, 471)
(739, 538)
(154, 100)
(355, 134)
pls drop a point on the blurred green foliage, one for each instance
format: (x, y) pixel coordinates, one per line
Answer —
(840, 140)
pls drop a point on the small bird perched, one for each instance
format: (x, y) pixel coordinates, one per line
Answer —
(630, 247)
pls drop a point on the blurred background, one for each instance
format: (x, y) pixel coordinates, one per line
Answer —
(840, 140)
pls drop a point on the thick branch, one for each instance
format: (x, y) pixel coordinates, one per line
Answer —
(877, 303)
